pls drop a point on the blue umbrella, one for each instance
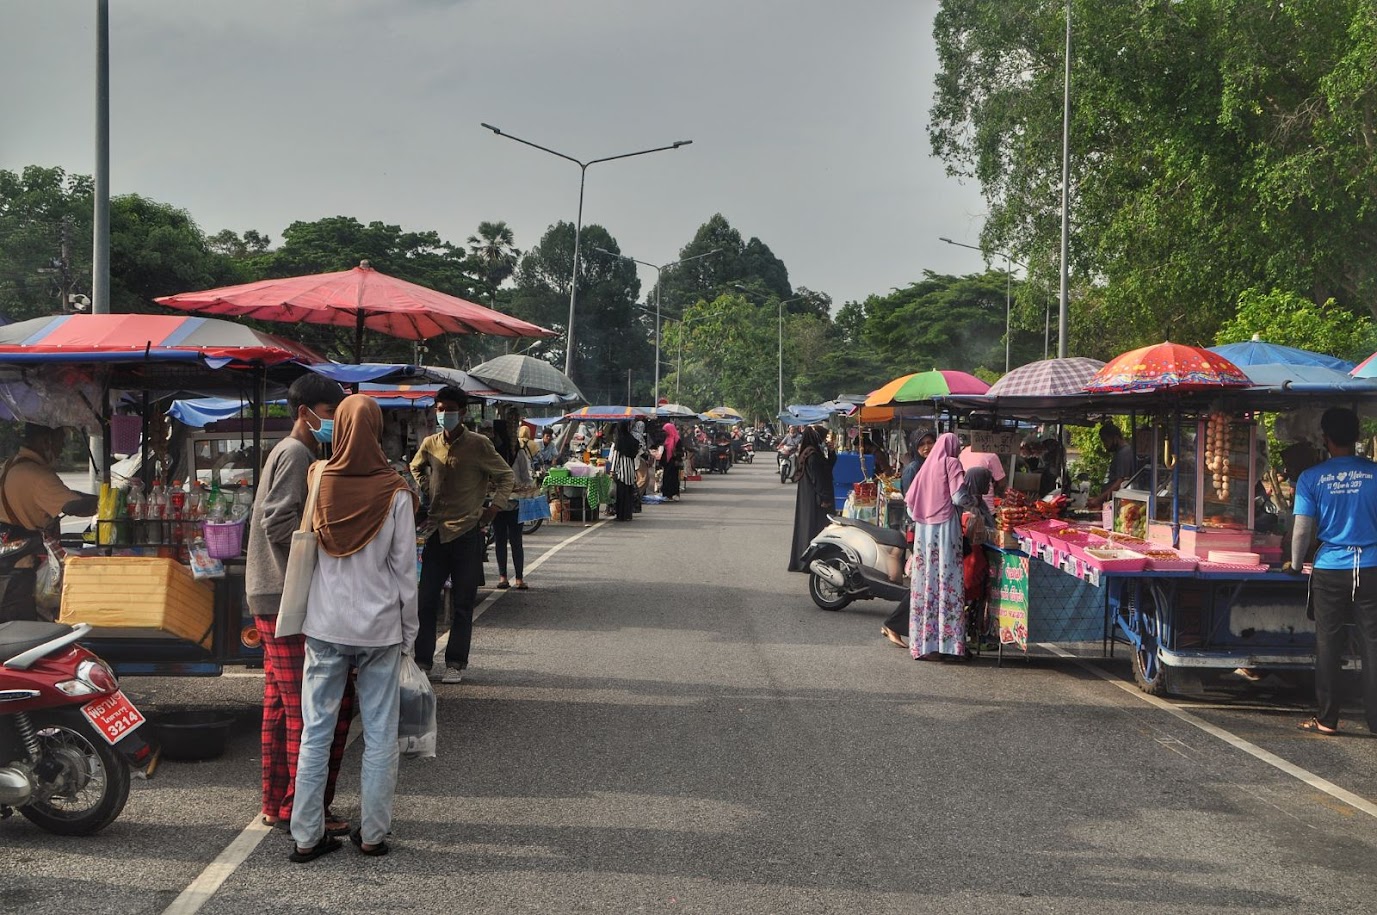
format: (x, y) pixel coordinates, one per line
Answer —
(1257, 352)
(1274, 375)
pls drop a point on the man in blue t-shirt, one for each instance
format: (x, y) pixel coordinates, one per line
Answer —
(1336, 501)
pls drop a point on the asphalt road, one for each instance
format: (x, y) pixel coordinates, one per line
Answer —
(666, 723)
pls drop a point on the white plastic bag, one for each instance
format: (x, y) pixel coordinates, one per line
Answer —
(416, 729)
(48, 587)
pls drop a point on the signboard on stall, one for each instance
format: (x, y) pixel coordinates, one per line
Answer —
(995, 442)
(1009, 599)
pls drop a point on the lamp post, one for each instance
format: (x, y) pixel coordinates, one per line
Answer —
(679, 364)
(1008, 294)
(659, 271)
(1063, 318)
(578, 226)
(783, 302)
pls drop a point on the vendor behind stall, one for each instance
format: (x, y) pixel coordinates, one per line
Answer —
(1121, 463)
(31, 497)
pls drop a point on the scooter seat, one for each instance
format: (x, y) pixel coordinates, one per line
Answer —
(884, 535)
(18, 636)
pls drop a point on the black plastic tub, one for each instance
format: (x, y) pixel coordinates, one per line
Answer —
(192, 734)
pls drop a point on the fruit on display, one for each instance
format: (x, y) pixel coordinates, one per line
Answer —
(1131, 518)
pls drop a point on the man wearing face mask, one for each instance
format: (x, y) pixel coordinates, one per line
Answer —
(460, 469)
(31, 497)
(277, 508)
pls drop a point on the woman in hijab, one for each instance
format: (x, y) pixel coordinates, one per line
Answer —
(937, 600)
(814, 500)
(625, 450)
(361, 613)
(645, 475)
(919, 446)
(670, 461)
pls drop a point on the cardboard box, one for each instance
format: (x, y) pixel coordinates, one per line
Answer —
(125, 596)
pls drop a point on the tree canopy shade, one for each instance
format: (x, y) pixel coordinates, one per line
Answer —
(1219, 147)
(735, 261)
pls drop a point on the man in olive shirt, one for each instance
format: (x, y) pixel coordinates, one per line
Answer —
(460, 470)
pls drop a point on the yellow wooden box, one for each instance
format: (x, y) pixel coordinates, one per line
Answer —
(128, 596)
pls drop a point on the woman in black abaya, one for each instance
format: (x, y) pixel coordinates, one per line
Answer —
(625, 450)
(815, 500)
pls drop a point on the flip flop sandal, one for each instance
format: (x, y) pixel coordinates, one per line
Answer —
(334, 827)
(326, 845)
(284, 825)
(377, 851)
(502, 586)
(523, 587)
(1314, 727)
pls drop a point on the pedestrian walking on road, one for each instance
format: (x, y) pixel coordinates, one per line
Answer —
(361, 613)
(277, 508)
(626, 449)
(460, 469)
(671, 461)
(1336, 501)
(815, 499)
(937, 599)
(507, 524)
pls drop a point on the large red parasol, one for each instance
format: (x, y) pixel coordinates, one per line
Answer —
(1164, 366)
(361, 298)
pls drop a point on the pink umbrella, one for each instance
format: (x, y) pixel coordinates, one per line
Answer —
(361, 298)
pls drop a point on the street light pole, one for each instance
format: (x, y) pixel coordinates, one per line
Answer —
(1063, 319)
(659, 272)
(1008, 292)
(783, 302)
(578, 226)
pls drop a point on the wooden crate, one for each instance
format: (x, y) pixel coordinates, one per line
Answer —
(127, 596)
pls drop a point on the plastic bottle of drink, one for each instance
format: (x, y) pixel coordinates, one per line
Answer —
(135, 502)
(157, 512)
(176, 513)
(242, 504)
(215, 505)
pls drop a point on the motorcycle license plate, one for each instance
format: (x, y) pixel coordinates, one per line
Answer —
(113, 716)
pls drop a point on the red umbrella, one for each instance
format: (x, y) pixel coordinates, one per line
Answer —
(361, 298)
(1163, 366)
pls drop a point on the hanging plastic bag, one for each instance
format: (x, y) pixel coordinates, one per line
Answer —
(48, 587)
(416, 729)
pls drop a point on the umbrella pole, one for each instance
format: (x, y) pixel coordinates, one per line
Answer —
(358, 338)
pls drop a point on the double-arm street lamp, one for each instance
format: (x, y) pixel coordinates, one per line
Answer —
(782, 303)
(578, 226)
(659, 272)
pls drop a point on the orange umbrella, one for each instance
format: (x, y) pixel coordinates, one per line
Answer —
(361, 298)
(1163, 366)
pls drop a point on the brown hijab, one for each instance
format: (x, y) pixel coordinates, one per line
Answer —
(357, 484)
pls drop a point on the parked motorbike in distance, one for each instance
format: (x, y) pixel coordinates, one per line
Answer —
(784, 454)
(68, 735)
(851, 560)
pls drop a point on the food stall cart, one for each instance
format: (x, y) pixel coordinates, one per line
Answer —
(1189, 576)
(129, 574)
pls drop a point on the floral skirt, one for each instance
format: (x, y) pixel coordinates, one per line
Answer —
(937, 616)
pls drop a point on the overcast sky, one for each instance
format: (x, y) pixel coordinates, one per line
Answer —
(808, 119)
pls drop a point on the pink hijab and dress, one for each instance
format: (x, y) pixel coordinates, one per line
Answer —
(937, 615)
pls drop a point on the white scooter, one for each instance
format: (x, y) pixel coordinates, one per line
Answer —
(852, 560)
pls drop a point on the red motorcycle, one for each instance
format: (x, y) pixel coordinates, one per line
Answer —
(68, 735)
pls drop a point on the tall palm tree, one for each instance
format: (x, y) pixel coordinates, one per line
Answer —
(495, 253)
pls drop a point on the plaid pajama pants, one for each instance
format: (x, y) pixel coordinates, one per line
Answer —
(283, 661)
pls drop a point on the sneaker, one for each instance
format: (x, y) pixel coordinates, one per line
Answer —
(452, 675)
(437, 672)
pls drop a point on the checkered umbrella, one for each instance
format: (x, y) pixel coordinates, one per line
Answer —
(1048, 378)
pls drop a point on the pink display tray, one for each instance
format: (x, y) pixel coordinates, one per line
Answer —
(1231, 568)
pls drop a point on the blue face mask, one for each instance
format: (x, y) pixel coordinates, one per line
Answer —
(447, 421)
(326, 433)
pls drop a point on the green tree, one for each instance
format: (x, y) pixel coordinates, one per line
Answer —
(1213, 152)
(750, 263)
(35, 205)
(1292, 320)
(494, 254)
(612, 336)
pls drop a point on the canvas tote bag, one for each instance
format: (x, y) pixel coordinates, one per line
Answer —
(301, 565)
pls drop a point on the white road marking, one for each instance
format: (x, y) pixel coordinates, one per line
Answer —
(1357, 802)
(199, 892)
